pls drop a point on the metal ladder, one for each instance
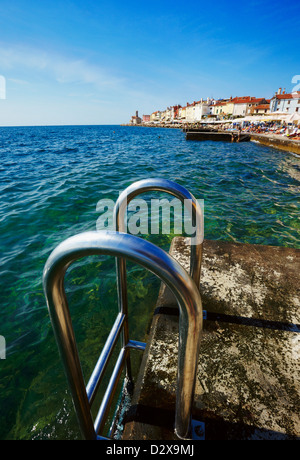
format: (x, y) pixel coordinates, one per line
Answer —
(184, 286)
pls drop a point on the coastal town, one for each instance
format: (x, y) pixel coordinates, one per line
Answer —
(282, 112)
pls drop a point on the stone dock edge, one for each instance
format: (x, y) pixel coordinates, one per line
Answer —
(247, 385)
(289, 145)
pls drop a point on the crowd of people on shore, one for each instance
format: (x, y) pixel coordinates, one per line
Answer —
(271, 128)
(290, 131)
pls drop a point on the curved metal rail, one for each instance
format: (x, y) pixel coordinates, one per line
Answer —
(190, 323)
(174, 189)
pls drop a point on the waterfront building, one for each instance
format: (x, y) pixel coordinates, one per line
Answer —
(155, 116)
(197, 110)
(204, 108)
(175, 112)
(218, 109)
(228, 107)
(240, 106)
(244, 105)
(262, 108)
(136, 120)
(190, 112)
(163, 116)
(284, 102)
(257, 104)
(182, 114)
(166, 115)
(222, 108)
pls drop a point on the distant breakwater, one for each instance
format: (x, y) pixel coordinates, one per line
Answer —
(156, 125)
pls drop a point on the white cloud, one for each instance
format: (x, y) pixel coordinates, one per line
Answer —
(60, 68)
(18, 81)
(65, 90)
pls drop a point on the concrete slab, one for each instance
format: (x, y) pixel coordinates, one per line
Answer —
(248, 373)
(223, 136)
(278, 142)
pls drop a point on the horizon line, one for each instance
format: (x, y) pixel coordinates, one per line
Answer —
(57, 125)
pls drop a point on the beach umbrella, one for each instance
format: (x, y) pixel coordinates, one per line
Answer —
(276, 116)
(295, 117)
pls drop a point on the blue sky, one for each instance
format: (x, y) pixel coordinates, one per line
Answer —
(97, 62)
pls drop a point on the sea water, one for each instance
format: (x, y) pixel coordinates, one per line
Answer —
(51, 181)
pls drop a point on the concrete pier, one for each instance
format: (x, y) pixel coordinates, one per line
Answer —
(248, 384)
(233, 136)
(278, 142)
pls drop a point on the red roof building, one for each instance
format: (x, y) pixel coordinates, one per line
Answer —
(283, 102)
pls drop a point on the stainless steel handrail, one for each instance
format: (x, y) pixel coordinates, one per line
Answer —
(190, 321)
(174, 189)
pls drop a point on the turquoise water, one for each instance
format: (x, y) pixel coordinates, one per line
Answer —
(51, 181)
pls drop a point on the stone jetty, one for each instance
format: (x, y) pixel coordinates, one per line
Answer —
(248, 385)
